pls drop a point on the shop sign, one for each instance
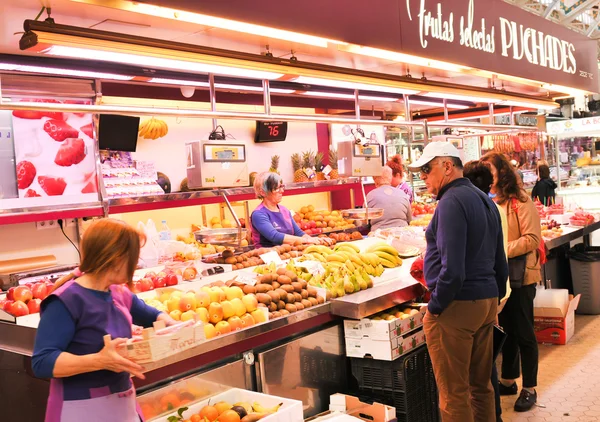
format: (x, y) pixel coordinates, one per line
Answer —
(496, 36)
(520, 120)
(563, 127)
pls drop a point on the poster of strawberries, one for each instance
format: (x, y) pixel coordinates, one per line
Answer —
(55, 157)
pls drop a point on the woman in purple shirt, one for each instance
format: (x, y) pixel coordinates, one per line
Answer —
(272, 224)
(395, 163)
(90, 380)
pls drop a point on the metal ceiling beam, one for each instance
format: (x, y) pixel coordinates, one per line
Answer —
(579, 10)
(550, 9)
(593, 26)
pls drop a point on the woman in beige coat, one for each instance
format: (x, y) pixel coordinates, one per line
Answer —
(520, 351)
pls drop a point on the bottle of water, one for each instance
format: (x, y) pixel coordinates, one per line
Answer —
(165, 232)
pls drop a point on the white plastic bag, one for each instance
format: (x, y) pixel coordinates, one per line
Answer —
(149, 252)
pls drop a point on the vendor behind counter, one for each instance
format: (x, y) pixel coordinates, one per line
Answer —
(394, 202)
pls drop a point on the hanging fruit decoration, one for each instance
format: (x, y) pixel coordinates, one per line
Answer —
(153, 129)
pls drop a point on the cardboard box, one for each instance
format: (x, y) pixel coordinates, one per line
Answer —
(352, 406)
(555, 325)
(382, 330)
(384, 349)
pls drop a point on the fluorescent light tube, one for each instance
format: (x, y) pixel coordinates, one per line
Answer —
(441, 105)
(348, 96)
(63, 72)
(351, 85)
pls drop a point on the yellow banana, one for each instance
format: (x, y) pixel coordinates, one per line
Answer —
(352, 246)
(259, 408)
(356, 260)
(384, 248)
(311, 249)
(385, 255)
(350, 265)
(336, 257)
(373, 258)
(388, 264)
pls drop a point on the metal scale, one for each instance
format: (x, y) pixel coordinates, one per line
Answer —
(213, 164)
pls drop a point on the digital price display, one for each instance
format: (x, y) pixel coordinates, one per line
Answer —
(226, 154)
(270, 131)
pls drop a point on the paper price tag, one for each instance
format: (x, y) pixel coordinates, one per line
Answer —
(321, 291)
(246, 278)
(313, 267)
(271, 257)
(327, 170)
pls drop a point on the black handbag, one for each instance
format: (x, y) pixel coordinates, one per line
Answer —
(516, 271)
(499, 339)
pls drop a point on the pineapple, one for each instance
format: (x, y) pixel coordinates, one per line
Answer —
(308, 159)
(319, 165)
(333, 163)
(299, 175)
(274, 164)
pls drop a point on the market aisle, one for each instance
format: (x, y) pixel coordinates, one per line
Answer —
(569, 379)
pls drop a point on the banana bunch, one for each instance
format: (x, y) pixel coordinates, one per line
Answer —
(387, 255)
(259, 408)
(153, 129)
(316, 253)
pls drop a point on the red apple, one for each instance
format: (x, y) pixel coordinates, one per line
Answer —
(135, 286)
(160, 282)
(146, 284)
(150, 274)
(10, 293)
(34, 306)
(161, 274)
(7, 305)
(22, 293)
(313, 224)
(172, 280)
(18, 308)
(40, 290)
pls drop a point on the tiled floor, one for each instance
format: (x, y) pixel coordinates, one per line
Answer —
(569, 379)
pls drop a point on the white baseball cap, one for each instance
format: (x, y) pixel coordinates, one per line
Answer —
(433, 150)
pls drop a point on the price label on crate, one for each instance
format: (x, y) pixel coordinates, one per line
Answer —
(271, 257)
(246, 278)
(321, 291)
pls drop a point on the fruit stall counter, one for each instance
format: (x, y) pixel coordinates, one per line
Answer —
(251, 358)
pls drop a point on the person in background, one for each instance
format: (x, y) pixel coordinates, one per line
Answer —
(272, 224)
(524, 237)
(481, 176)
(464, 290)
(395, 163)
(394, 202)
(90, 380)
(515, 165)
(545, 188)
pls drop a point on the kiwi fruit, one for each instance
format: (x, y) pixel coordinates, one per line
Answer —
(284, 312)
(292, 275)
(283, 279)
(274, 296)
(273, 307)
(297, 287)
(304, 294)
(265, 278)
(275, 285)
(281, 304)
(263, 298)
(287, 288)
(297, 297)
(306, 303)
(281, 271)
(313, 301)
(276, 314)
(271, 315)
(299, 306)
(304, 283)
(291, 308)
(261, 305)
(282, 294)
(312, 292)
(248, 289)
(320, 299)
(290, 298)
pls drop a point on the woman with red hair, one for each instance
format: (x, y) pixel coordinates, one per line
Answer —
(395, 163)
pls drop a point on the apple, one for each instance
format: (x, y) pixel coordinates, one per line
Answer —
(146, 284)
(313, 224)
(135, 286)
(34, 306)
(19, 308)
(160, 282)
(22, 294)
(172, 280)
(150, 274)
(161, 274)
(7, 304)
(39, 290)
(10, 293)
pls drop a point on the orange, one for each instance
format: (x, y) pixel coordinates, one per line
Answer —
(169, 401)
(229, 416)
(222, 407)
(210, 413)
(196, 418)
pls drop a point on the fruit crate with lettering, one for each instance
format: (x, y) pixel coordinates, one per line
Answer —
(160, 342)
(408, 384)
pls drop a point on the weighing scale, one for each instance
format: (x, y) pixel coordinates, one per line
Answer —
(359, 160)
(216, 165)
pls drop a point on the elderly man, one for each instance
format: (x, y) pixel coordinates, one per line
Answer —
(466, 271)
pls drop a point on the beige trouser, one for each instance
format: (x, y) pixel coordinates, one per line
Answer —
(460, 343)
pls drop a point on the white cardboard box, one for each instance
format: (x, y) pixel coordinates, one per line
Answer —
(382, 330)
(384, 349)
(555, 325)
(290, 410)
(352, 406)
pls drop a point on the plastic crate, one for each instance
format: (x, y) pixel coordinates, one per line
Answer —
(407, 383)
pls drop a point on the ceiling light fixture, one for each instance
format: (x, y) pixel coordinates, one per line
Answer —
(215, 22)
(457, 97)
(63, 72)
(349, 96)
(308, 80)
(401, 57)
(233, 87)
(441, 105)
(537, 106)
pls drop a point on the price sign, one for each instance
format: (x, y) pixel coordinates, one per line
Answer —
(246, 278)
(313, 267)
(271, 257)
(270, 131)
(321, 291)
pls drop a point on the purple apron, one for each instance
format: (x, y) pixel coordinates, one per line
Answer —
(99, 396)
(282, 221)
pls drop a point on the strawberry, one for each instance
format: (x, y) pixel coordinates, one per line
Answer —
(59, 130)
(32, 114)
(72, 151)
(91, 187)
(53, 186)
(25, 174)
(88, 130)
(31, 193)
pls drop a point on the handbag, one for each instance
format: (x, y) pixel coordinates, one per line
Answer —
(499, 339)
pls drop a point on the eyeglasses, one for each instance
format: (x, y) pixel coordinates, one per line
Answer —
(426, 168)
(280, 189)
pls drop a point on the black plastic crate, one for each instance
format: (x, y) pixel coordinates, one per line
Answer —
(407, 383)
